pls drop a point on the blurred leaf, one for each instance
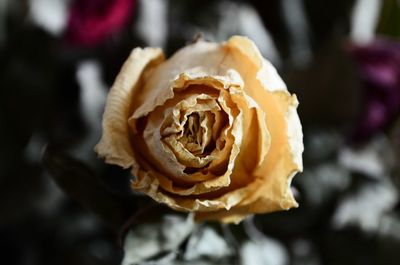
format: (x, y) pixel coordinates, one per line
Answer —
(321, 145)
(261, 249)
(206, 242)
(304, 252)
(374, 159)
(266, 251)
(323, 183)
(156, 242)
(395, 143)
(365, 208)
(389, 239)
(389, 23)
(79, 182)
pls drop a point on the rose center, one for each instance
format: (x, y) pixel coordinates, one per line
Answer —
(192, 130)
(197, 132)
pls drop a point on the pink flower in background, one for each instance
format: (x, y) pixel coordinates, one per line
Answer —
(379, 67)
(92, 21)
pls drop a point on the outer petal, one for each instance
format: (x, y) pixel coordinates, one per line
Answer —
(198, 63)
(115, 144)
(271, 189)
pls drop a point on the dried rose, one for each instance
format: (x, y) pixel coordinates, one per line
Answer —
(212, 130)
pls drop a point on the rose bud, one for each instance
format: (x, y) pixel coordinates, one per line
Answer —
(212, 130)
(378, 65)
(92, 21)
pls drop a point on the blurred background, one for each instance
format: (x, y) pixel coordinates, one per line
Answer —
(59, 204)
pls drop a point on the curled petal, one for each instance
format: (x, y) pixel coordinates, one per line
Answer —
(114, 145)
(270, 191)
(164, 161)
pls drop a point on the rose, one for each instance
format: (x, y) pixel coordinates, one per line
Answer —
(378, 64)
(92, 21)
(212, 130)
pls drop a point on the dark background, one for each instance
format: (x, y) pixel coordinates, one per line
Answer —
(59, 204)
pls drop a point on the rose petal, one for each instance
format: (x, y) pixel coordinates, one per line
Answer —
(271, 190)
(114, 145)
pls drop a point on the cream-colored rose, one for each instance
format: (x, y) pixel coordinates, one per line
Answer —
(212, 130)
